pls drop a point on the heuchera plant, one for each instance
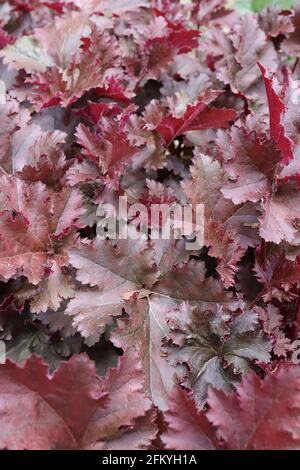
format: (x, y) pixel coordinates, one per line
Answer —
(143, 344)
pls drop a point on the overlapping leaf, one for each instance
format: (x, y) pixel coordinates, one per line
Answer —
(257, 418)
(165, 103)
(76, 408)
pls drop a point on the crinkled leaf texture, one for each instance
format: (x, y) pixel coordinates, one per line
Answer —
(167, 105)
(215, 352)
(256, 418)
(74, 408)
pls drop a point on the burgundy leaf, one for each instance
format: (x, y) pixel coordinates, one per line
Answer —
(277, 109)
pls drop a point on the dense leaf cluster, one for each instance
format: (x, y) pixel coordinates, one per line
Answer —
(145, 344)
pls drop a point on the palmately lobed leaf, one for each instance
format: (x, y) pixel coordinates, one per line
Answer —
(216, 348)
(256, 418)
(77, 409)
(165, 104)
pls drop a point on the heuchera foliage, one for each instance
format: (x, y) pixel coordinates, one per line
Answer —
(144, 344)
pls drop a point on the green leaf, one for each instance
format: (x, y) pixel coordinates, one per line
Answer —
(242, 6)
(27, 53)
(258, 5)
(217, 350)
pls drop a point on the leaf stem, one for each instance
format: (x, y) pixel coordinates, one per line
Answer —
(295, 65)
